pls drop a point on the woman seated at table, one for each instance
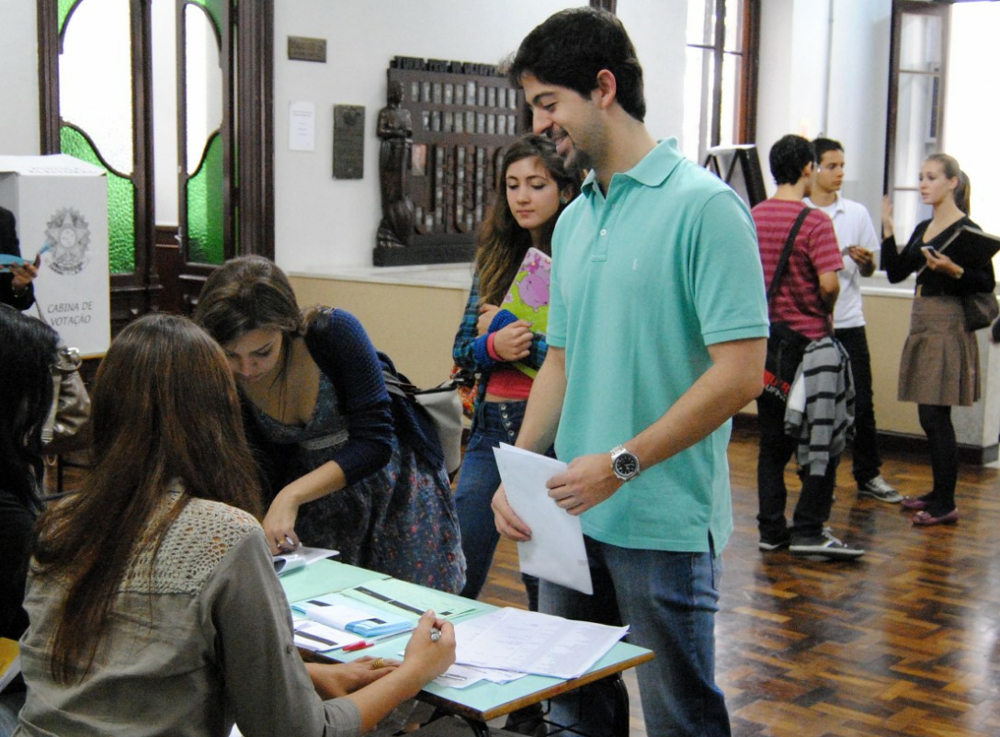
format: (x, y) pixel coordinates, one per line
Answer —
(152, 599)
(350, 470)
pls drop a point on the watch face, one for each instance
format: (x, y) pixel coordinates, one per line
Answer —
(626, 465)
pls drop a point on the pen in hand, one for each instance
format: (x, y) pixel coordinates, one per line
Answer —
(435, 634)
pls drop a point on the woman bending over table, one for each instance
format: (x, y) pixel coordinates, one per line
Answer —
(348, 468)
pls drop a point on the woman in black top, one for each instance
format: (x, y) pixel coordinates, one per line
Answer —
(939, 368)
(27, 352)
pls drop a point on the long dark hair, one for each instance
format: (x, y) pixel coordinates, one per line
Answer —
(28, 350)
(164, 409)
(250, 293)
(502, 242)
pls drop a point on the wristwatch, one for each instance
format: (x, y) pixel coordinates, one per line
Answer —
(624, 463)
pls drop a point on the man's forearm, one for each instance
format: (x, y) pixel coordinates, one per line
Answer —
(734, 379)
(541, 418)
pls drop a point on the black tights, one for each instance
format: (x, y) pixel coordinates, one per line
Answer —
(936, 423)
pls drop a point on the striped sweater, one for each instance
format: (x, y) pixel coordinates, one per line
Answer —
(820, 409)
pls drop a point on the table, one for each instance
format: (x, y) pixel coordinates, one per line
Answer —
(480, 702)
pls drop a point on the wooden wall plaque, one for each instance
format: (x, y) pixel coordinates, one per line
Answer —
(463, 117)
(348, 141)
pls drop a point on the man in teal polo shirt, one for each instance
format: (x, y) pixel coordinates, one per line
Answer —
(657, 327)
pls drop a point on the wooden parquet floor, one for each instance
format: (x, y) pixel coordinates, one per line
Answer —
(903, 642)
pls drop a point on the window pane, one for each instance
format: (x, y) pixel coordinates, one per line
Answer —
(205, 226)
(697, 102)
(203, 76)
(920, 43)
(731, 69)
(734, 25)
(121, 203)
(95, 78)
(701, 22)
(915, 134)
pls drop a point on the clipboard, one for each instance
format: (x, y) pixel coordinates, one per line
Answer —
(970, 247)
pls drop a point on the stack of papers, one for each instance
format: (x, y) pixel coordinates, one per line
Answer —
(348, 615)
(319, 638)
(530, 642)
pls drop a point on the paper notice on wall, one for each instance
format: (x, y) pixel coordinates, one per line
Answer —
(302, 126)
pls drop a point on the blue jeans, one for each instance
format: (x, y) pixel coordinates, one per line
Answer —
(478, 480)
(669, 599)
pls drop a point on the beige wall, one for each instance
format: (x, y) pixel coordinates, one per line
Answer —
(415, 325)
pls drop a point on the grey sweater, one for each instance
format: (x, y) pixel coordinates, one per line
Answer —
(203, 642)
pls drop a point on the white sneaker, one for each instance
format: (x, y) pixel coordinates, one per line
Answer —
(878, 488)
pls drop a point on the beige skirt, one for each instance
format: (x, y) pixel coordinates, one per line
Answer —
(940, 362)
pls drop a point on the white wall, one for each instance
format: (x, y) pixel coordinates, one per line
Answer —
(18, 78)
(322, 222)
(794, 49)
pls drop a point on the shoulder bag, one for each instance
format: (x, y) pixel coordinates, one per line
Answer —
(785, 346)
(70, 412)
(979, 310)
(443, 406)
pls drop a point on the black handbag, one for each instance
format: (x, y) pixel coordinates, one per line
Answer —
(979, 310)
(785, 346)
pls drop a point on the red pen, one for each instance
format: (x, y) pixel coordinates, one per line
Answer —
(357, 646)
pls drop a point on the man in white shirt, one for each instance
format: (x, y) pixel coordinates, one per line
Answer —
(857, 240)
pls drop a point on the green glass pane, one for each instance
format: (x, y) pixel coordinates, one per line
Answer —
(214, 8)
(64, 7)
(121, 202)
(205, 209)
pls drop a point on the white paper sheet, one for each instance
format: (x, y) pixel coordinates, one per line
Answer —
(556, 551)
(300, 558)
(531, 642)
(319, 638)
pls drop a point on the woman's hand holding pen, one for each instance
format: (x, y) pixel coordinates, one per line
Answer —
(426, 657)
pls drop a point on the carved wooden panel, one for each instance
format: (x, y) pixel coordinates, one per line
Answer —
(463, 116)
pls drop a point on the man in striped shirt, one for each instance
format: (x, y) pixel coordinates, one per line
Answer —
(804, 302)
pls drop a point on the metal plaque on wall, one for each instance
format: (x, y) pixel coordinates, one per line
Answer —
(348, 141)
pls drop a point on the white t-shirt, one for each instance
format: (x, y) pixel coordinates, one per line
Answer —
(854, 227)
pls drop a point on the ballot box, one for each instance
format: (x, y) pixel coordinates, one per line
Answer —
(61, 207)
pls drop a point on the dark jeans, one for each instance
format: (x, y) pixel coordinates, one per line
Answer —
(496, 422)
(669, 599)
(864, 447)
(936, 422)
(776, 449)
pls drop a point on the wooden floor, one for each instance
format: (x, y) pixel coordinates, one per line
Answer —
(904, 641)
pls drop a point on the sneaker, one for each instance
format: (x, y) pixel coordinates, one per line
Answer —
(826, 546)
(776, 542)
(877, 488)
